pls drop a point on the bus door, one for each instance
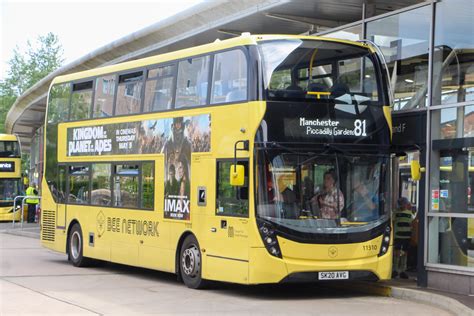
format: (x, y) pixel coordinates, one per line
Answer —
(403, 186)
(229, 226)
(61, 196)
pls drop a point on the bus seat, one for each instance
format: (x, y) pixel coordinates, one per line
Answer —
(294, 87)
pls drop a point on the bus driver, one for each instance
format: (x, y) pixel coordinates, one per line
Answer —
(331, 199)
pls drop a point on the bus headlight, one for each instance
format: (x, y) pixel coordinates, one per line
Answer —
(385, 240)
(267, 232)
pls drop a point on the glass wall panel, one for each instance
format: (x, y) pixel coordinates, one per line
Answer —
(452, 163)
(353, 33)
(453, 122)
(453, 56)
(451, 241)
(404, 40)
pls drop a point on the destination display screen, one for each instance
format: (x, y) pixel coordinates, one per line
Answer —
(7, 166)
(298, 122)
(328, 127)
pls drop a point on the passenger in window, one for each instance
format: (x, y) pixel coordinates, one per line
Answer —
(331, 199)
(365, 203)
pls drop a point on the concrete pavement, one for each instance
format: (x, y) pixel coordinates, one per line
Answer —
(34, 280)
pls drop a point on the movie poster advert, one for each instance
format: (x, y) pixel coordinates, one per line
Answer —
(176, 138)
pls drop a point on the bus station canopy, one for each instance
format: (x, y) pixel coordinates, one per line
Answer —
(203, 23)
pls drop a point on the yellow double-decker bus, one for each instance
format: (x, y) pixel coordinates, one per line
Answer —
(259, 159)
(10, 176)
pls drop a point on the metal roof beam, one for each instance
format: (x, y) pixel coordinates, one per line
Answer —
(311, 22)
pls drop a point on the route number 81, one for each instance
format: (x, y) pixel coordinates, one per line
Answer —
(359, 128)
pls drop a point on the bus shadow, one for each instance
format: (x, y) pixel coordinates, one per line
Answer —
(291, 291)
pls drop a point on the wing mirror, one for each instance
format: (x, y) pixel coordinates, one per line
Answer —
(237, 175)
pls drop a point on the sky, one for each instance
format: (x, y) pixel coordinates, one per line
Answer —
(82, 26)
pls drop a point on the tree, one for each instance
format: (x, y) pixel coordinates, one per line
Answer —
(27, 68)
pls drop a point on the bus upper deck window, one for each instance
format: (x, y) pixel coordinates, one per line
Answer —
(193, 79)
(81, 101)
(129, 93)
(229, 77)
(58, 104)
(159, 89)
(104, 96)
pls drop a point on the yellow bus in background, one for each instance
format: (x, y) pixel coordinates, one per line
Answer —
(10, 176)
(258, 159)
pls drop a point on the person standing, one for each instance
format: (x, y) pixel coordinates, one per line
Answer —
(31, 202)
(402, 223)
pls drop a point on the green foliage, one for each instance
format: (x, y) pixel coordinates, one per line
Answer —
(27, 68)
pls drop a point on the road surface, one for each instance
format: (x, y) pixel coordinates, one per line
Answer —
(34, 280)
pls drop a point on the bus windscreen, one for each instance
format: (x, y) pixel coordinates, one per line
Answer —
(322, 193)
(9, 149)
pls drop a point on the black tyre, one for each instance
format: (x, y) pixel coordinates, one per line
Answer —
(190, 263)
(76, 246)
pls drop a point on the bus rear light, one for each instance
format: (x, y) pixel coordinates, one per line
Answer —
(385, 241)
(269, 238)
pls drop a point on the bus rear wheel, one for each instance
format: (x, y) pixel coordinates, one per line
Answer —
(190, 264)
(76, 246)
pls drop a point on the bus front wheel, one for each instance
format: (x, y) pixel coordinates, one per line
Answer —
(191, 263)
(76, 246)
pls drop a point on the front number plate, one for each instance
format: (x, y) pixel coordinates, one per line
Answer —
(336, 275)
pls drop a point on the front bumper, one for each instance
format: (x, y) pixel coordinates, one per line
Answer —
(6, 215)
(265, 268)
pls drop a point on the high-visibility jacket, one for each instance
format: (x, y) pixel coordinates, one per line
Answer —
(402, 223)
(31, 192)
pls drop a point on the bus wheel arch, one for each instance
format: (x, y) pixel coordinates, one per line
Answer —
(178, 252)
(189, 251)
(68, 234)
(75, 240)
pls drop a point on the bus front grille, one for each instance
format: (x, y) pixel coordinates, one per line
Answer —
(48, 225)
